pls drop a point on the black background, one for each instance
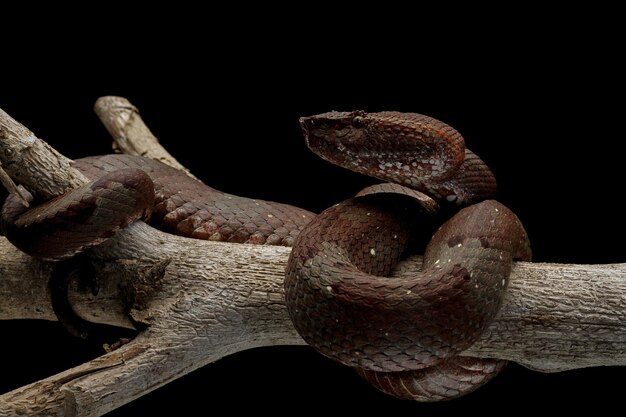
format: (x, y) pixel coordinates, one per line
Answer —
(543, 109)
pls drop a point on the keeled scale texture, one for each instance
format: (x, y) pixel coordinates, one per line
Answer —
(453, 378)
(186, 207)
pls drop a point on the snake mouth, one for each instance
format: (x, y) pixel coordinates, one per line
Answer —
(333, 136)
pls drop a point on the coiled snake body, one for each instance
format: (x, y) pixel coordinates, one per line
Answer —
(401, 333)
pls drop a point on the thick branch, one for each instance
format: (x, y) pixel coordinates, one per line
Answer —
(219, 298)
(24, 292)
(555, 317)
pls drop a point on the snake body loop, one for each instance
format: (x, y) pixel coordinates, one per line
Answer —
(342, 307)
(402, 333)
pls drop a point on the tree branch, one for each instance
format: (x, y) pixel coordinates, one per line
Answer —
(213, 299)
(130, 134)
(33, 163)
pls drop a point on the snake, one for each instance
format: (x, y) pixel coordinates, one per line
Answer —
(402, 333)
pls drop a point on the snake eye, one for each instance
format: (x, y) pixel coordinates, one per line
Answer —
(358, 121)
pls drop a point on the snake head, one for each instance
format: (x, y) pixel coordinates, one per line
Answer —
(406, 148)
(380, 144)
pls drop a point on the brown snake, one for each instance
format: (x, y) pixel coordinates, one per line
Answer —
(402, 333)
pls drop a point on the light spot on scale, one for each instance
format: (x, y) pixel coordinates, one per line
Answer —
(451, 198)
(270, 216)
(395, 236)
(368, 213)
(503, 282)
(497, 210)
(408, 292)
(437, 261)
(304, 216)
(459, 245)
(372, 252)
(329, 289)
(475, 285)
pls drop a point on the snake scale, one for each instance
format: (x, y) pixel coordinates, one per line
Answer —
(403, 334)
